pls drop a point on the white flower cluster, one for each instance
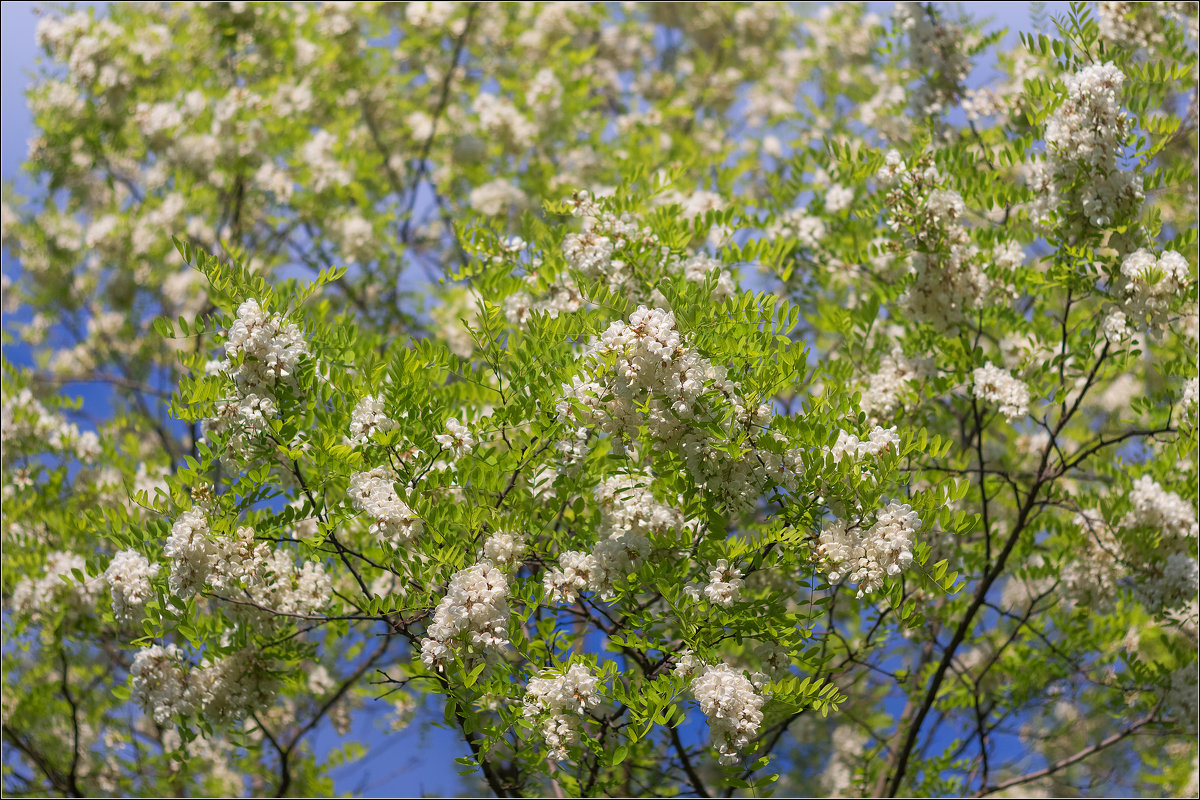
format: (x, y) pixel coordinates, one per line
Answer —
(642, 374)
(1091, 573)
(166, 685)
(191, 550)
(261, 350)
(291, 590)
(629, 513)
(798, 224)
(724, 584)
(559, 701)
(237, 563)
(867, 557)
(368, 417)
(496, 197)
(776, 663)
(233, 686)
(374, 494)
(895, 376)
(879, 440)
(733, 708)
(593, 251)
(561, 296)
(324, 168)
(504, 549)
(1138, 25)
(129, 575)
(1153, 285)
(938, 52)
(1182, 698)
(1084, 139)
(1116, 326)
(499, 118)
(993, 384)
(1171, 585)
(50, 592)
(1190, 397)
(947, 279)
(458, 438)
(355, 238)
(472, 617)
(1155, 507)
(159, 678)
(627, 506)
(25, 421)
(698, 267)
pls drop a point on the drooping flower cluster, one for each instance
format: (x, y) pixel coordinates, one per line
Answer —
(191, 550)
(159, 678)
(724, 583)
(1137, 25)
(629, 514)
(866, 557)
(643, 374)
(240, 563)
(51, 592)
(24, 421)
(560, 701)
(993, 384)
(594, 251)
(895, 377)
(948, 281)
(627, 506)
(879, 440)
(1169, 585)
(733, 708)
(129, 575)
(231, 687)
(458, 438)
(374, 494)
(261, 350)
(1190, 397)
(938, 53)
(698, 267)
(1084, 140)
(1153, 286)
(798, 224)
(1091, 574)
(289, 589)
(504, 549)
(471, 621)
(496, 197)
(369, 416)
(1182, 699)
(1163, 511)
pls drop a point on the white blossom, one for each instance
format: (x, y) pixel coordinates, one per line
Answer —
(559, 702)
(724, 584)
(458, 438)
(993, 384)
(866, 557)
(374, 493)
(471, 620)
(369, 416)
(733, 708)
(159, 679)
(1166, 512)
(129, 574)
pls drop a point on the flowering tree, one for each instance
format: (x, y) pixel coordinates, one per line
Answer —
(666, 399)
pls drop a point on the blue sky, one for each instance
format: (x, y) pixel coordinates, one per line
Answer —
(414, 761)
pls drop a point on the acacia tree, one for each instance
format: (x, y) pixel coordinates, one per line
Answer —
(667, 398)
